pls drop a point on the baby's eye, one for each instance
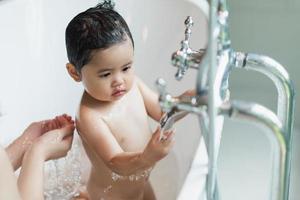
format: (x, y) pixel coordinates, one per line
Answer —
(104, 75)
(126, 68)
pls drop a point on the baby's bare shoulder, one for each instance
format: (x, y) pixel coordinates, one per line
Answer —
(86, 112)
(87, 116)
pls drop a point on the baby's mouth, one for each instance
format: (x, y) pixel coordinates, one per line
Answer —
(118, 92)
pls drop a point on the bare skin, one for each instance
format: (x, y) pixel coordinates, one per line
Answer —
(7, 179)
(49, 140)
(18, 147)
(112, 121)
(132, 135)
(53, 144)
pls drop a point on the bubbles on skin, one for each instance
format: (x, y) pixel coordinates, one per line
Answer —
(133, 177)
(108, 189)
(64, 175)
(115, 112)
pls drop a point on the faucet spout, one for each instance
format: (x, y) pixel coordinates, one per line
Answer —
(175, 108)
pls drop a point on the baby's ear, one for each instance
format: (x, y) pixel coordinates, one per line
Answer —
(73, 72)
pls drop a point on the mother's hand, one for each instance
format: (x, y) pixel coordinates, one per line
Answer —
(57, 142)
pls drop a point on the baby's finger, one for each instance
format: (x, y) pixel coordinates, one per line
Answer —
(156, 134)
(191, 92)
(168, 134)
(169, 141)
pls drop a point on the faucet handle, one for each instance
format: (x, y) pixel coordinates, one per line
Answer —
(179, 74)
(189, 24)
(161, 86)
(184, 58)
(185, 47)
(165, 99)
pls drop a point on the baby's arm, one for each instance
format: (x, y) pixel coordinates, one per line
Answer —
(151, 100)
(95, 132)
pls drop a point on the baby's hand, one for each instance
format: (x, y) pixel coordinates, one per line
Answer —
(189, 93)
(157, 148)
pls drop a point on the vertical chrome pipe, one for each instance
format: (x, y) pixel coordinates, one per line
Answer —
(212, 97)
(217, 60)
(286, 97)
(260, 114)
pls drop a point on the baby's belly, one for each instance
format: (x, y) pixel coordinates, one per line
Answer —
(103, 184)
(107, 185)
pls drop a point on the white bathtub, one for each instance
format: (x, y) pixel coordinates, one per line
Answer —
(158, 31)
(34, 85)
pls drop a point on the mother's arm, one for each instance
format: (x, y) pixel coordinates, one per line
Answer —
(8, 182)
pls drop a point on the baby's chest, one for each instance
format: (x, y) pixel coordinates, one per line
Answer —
(129, 124)
(132, 131)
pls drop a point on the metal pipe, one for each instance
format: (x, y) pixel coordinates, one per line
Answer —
(217, 63)
(276, 72)
(250, 112)
(214, 67)
(260, 114)
(286, 93)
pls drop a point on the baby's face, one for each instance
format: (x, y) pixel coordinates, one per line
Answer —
(109, 75)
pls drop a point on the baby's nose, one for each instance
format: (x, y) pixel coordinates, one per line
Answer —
(118, 80)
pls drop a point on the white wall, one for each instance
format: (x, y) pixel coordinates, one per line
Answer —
(34, 84)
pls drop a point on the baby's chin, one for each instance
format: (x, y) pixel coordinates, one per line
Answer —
(111, 99)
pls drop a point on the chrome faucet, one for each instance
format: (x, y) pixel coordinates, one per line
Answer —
(212, 102)
(174, 108)
(185, 57)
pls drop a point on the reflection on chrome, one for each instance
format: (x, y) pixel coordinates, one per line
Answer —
(213, 102)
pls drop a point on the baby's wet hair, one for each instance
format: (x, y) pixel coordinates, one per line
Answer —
(98, 27)
(108, 4)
